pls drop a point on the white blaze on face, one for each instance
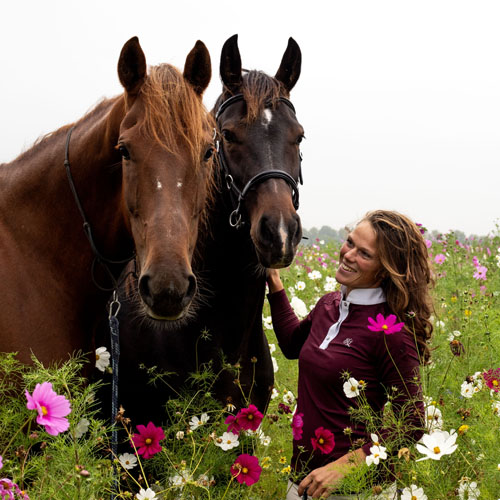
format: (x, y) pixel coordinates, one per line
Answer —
(283, 234)
(159, 185)
(179, 184)
(267, 116)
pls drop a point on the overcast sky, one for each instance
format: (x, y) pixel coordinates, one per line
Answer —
(400, 100)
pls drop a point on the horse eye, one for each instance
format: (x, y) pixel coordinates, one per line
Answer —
(208, 154)
(299, 139)
(228, 136)
(124, 152)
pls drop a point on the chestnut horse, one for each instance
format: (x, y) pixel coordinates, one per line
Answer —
(135, 171)
(258, 140)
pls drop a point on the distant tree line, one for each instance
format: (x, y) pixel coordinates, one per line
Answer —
(326, 233)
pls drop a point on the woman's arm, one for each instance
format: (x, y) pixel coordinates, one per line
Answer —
(290, 331)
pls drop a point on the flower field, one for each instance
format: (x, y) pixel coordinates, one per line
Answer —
(54, 446)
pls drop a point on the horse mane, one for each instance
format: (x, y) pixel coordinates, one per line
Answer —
(174, 111)
(259, 90)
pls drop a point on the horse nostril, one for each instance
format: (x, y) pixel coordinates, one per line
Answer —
(191, 289)
(144, 289)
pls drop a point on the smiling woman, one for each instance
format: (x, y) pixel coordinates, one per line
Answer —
(344, 354)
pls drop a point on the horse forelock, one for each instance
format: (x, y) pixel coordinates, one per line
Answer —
(259, 90)
(174, 113)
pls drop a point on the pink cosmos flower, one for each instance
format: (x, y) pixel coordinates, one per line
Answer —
(7, 489)
(324, 440)
(387, 325)
(439, 258)
(246, 469)
(51, 408)
(475, 261)
(147, 440)
(428, 243)
(480, 273)
(249, 418)
(492, 379)
(232, 424)
(297, 424)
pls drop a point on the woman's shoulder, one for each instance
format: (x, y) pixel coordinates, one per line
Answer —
(330, 298)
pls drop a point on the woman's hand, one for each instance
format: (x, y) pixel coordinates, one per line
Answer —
(321, 482)
(274, 280)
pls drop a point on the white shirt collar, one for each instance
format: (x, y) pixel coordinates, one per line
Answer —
(363, 296)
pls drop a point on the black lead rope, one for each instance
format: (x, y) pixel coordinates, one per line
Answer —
(114, 308)
(235, 218)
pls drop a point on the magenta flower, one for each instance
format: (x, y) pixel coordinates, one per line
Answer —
(324, 440)
(249, 418)
(428, 243)
(387, 325)
(297, 424)
(246, 469)
(147, 440)
(480, 273)
(475, 261)
(51, 408)
(492, 379)
(439, 258)
(232, 424)
(283, 408)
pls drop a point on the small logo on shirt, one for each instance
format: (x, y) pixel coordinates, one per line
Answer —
(348, 341)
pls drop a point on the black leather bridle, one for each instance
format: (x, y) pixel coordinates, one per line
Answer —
(235, 218)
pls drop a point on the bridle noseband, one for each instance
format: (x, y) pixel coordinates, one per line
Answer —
(235, 218)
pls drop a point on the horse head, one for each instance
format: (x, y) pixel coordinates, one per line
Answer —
(166, 144)
(259, 140)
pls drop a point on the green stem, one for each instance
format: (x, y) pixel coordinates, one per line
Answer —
(15, 435)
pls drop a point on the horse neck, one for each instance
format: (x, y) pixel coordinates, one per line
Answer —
(38, 207)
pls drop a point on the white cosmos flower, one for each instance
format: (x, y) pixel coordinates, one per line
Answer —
(299, 307)
(274, 393)
(267, 322)
(180, 480)
(275, 364)
(496, 407)
(377, 453)
(437, 444)
(148, 494)
(300, 285)
(288, 398)
(196, 422)
(375, 439)
(470, 488)
(330, 284)
(127, 460)
(272, 348)
(467, 389)
(413, 493)
(433, 418)
(102, 358)
(81, 428)
(351, 388)
(179, 435)
(314, 275)
(227, 441)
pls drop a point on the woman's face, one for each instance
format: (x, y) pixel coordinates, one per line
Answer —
(359, 262)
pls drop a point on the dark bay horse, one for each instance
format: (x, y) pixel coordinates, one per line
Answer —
(259, 138)
(139, 164)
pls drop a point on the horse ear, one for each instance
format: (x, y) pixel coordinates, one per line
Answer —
(230, 65)
(132, 66)
(198, 67)
(289, 70)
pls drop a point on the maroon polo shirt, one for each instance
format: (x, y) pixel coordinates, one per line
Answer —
(364, 354)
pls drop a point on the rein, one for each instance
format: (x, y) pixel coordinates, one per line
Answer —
(114, 305)
(235, 218)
